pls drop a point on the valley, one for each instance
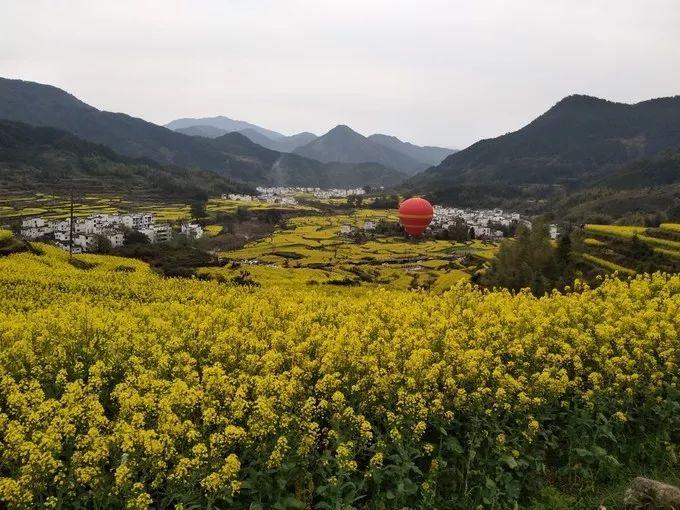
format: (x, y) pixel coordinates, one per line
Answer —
(347, 255)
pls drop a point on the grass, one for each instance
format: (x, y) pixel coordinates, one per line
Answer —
(609, 495)
(670, 227)
(672, 254)
(5, 235)
(621, 231)
(591, 241)
(628, 232)
(213, 230)
(605, 264)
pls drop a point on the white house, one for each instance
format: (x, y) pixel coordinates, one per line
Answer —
(157, 233)
(115, 238)
(369, 225)
(62, 236)
(87, 242)
(554, 232)
(192, 230)
(33, 223)
(481, 231)
(345, 230)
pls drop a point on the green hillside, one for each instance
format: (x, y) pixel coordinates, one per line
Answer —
(43, 158)
(583, 147)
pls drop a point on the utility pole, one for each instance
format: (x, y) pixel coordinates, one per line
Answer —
(70, 237)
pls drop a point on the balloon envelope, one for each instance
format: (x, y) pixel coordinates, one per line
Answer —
(415, 214)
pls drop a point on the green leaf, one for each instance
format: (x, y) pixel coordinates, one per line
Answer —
(453, 444)
(510, 461)
(582, 452)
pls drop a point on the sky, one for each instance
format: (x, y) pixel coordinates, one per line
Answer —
(432, 72)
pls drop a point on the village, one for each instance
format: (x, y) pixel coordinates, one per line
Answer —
(86, 234)
(286, 195)
(482, 224)
(89, 232)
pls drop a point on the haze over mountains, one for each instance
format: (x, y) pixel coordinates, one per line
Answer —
(225, 124)
(231, 155)
(340, 144)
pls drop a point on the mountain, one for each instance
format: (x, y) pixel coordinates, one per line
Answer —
(342, 144)
(282, 169)
(44, 158)
(281, 144)
(204, 131)
(292, 142)
(661, 170)
(578, 138)
(575, 145)
(428, 155)
(224, 123)
(44, 105)
(638, 193)
(231, 155)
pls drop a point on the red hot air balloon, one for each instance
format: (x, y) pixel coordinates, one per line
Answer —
(415, 214)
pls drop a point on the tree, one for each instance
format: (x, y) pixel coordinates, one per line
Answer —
(134, 237)
(102, 244)
(530, 260)
(242, 213)
(198, 210)
(355, 200)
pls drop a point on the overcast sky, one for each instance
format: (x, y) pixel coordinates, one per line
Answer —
(427, 71)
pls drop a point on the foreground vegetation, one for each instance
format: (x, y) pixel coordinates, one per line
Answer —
(121, 388)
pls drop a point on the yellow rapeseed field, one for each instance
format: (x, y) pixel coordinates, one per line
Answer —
(119, 388)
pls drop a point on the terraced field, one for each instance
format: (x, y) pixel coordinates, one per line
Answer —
(15, 207)
(309, 250)
(633, 249)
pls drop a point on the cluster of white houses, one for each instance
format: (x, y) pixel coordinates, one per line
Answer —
(483, 222)
(368, 226)
(87, 232)
(285, 195)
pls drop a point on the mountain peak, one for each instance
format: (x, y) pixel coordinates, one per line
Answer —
(342, 129)
(582, 101)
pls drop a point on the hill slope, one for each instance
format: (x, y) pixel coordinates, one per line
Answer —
(580, 137)
(231, 155)
(344, 145)
(36, 158)
(426, 154)
(204, 131)
(582, 149)
(281, 144)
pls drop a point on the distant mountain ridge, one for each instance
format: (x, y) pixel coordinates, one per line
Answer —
(204, 131)
(416, 157)
(231, 155)
(427, 154)
(345, 145)
(221, 122)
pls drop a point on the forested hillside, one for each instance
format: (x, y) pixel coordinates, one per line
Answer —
(582, 147)
(43, 158)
